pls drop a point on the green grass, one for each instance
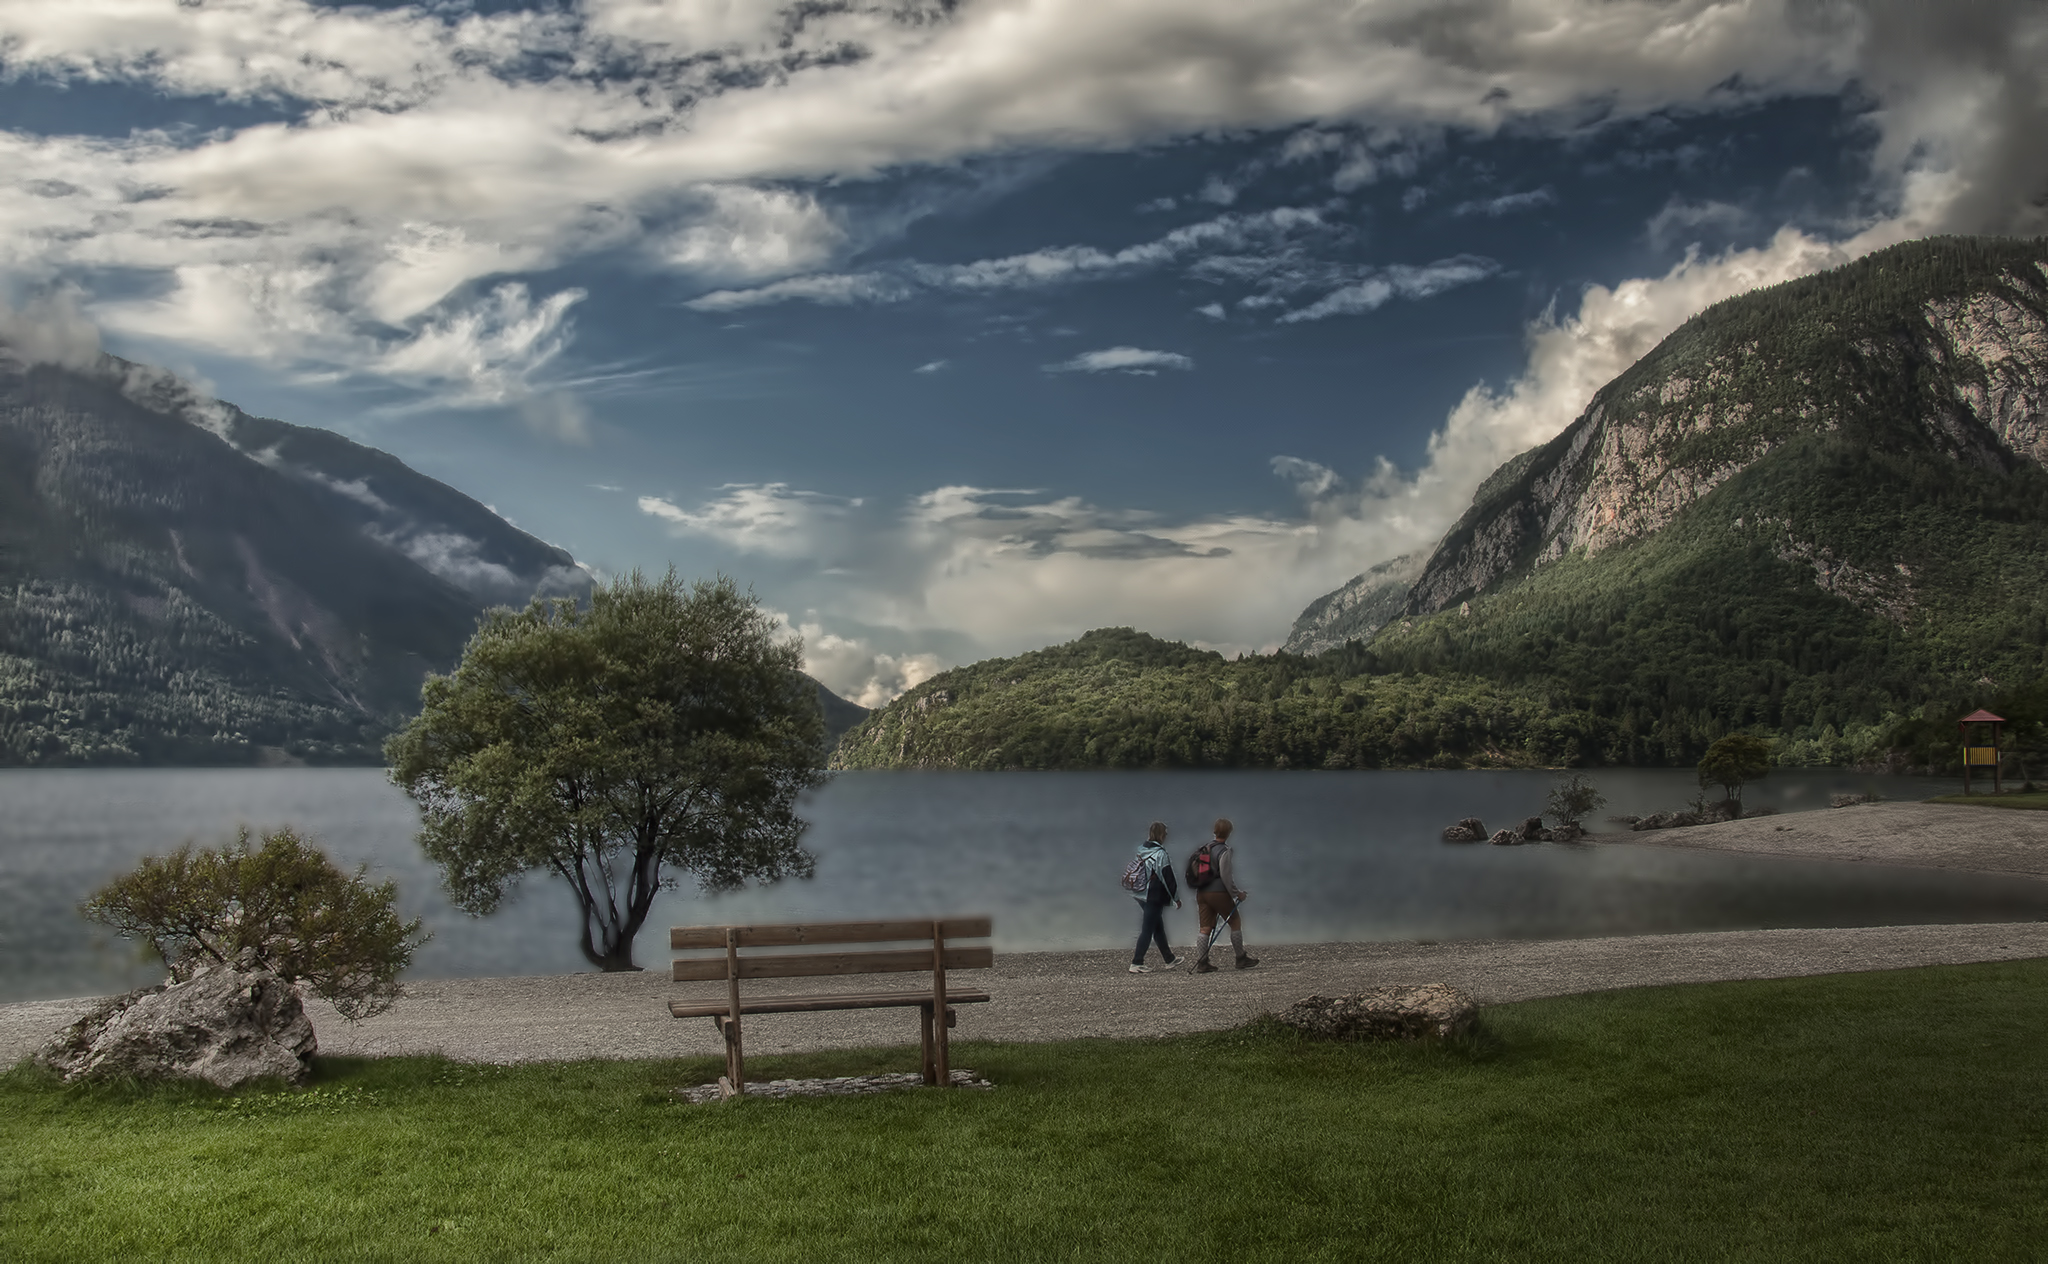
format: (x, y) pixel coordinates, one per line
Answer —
(1856, 1117)
(2036, 802)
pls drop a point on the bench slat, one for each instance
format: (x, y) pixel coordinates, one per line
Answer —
(797, 933)
(825, 1001)
(896, 961)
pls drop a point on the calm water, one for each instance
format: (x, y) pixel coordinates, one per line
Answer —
(1327, 856)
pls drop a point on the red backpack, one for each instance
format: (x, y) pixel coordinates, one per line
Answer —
(1201, 867)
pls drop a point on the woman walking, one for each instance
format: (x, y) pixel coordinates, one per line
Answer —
(1161, 889)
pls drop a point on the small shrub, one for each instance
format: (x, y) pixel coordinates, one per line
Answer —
(283, 906)
(1574, 799)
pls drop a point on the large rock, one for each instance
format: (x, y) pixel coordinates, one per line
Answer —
(226, 1027)
(1469, 830)
(1386, 1013)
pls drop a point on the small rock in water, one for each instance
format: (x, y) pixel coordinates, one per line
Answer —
(1505, 838)
(1386, 1013)
(224, 1026)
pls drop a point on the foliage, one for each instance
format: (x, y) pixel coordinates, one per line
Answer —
(1877, 1116)
(1116, 698)
(662, 727)
(1733, 761)
(282, 906)
(1573, 799)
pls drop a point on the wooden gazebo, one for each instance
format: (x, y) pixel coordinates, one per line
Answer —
(1977, 753)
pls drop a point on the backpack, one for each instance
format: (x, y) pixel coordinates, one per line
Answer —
(1201, 868)
(1137, 877)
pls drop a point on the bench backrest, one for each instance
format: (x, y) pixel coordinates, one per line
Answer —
(936, 934)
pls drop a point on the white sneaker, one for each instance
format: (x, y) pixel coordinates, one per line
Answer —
(1141, 969)
(1171, 964)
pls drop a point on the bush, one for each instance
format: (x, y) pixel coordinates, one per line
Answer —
(283, 906)
(1574, 799)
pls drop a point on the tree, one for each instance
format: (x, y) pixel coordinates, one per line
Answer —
(1734, 760)
(1571, 799)
(283, 907)
(660, 728)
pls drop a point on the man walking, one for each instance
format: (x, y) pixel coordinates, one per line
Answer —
(1217, 895)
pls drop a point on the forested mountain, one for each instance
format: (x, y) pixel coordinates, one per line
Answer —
(1817, 511)
(181, 582)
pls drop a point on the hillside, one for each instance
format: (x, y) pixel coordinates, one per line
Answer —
(1116, 698)
(1818, 511)
(181, 582)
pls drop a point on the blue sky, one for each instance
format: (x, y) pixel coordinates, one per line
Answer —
(959, 329)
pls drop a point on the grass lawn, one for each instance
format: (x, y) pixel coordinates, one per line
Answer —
(2037, 801)
(1861, 1117)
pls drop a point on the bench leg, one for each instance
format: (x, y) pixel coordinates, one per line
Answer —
(733, 1082)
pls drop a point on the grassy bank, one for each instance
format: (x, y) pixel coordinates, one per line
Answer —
(1896, 1115)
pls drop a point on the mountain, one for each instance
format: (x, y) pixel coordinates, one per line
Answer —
(182, 582)
(1812, 509)
(1818, 511)
(1358, 609)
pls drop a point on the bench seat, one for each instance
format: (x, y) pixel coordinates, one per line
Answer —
(819, 1001)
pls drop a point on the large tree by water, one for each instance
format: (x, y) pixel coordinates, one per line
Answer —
(663, 728)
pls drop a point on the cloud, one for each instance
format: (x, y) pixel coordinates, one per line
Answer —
(1311, 480)
(1506, 204)
(1208, 240)
(49, 328)
(1682, 223)
(1395, 282)
(1122, 360)
(426, 154)
(932, 366)
(768, 518)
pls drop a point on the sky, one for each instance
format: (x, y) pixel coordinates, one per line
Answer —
(955, 329)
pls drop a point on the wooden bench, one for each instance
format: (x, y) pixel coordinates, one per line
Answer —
(936, 951)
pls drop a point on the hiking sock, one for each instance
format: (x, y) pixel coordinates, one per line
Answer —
(1237, 941)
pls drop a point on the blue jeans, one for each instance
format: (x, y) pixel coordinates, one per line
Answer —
(1153, 927)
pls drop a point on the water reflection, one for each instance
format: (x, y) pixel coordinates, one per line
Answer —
(1327, 856)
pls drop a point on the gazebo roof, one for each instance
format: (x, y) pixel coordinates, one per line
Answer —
(1981, 716)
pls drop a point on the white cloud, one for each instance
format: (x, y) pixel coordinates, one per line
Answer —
(866, 287)
(434, 152)
(770, 518)
(1506, 204)
(49, 328)
(1214, 311)
(1122, 360)
(1399, 281)
(932, 366)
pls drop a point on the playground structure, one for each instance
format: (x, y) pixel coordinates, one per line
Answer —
(1980, 754)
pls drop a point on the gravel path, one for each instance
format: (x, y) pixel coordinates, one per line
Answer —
(1930, 835)
(1057, 996)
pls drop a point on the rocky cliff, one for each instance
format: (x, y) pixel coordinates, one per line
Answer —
(1358, 609)
(1935, 348)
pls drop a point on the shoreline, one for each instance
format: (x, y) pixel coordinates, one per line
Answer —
(1048, 996)
(1915, 835)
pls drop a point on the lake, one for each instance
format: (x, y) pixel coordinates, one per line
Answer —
(1326, 856)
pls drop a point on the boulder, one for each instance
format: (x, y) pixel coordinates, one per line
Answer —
(225, 1026)
(1505, 838)
(1430, 1010)
(1666, 820)
(1567, 833)
(1469, 830)
(1532, 831)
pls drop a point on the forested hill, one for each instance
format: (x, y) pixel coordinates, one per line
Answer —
(1817, 511)
(181, 582)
